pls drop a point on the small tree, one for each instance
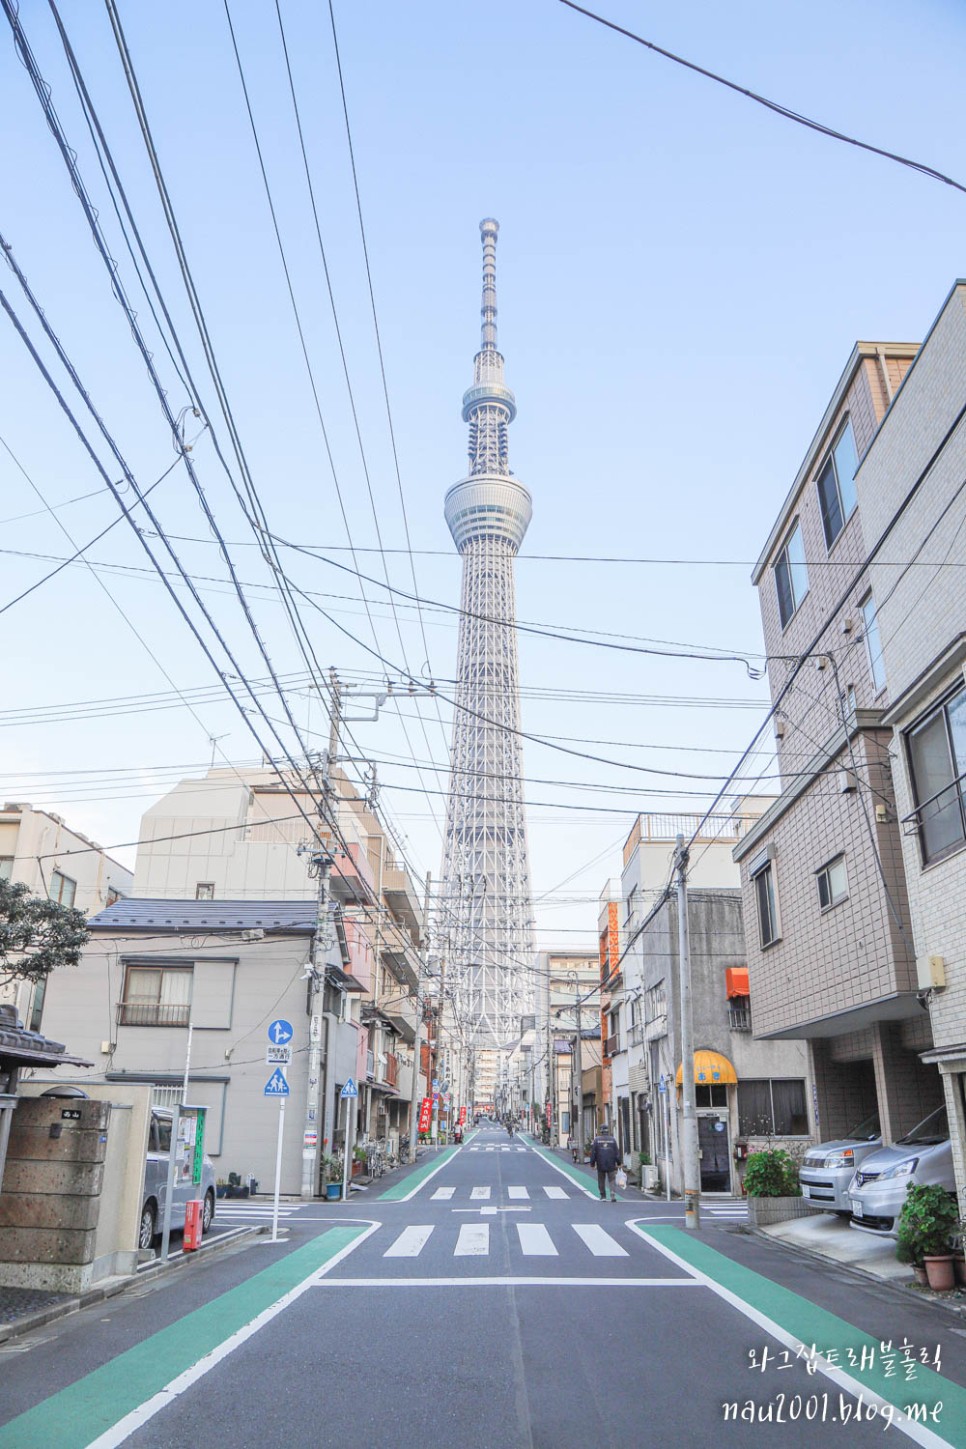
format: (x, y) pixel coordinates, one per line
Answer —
(36, 936)
(771, 1174)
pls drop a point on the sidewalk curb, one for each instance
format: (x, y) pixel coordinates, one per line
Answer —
(114, 1286)
(902, 1290)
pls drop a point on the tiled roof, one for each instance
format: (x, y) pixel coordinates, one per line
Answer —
(173, 915)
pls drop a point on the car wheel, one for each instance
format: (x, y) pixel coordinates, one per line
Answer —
(146, 1232)
(208, 1211)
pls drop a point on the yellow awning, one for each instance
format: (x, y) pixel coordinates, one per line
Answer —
(710, 1067)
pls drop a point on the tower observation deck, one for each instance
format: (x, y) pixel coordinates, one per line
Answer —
(486, 911)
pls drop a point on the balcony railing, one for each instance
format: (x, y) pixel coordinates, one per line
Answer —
(612, 1046)
(152, 1013)
(392, 1070)
(370, 1064)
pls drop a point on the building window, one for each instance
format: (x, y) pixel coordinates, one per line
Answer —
(62, 888)
(765, 899)
(205, 890)
(739, 1013)
(937, 755)
(791, 575)
(873, 644)
(710, 1094)
(772, 1108)
(836, 485)
(6, 867)
(833, 885)
(156, 996)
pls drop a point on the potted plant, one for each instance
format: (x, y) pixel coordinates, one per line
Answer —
(358, 1161)
(771, 1186)
(928, 1220)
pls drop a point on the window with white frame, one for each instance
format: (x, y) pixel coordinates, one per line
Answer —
(156, 995)
(873, 643)
(773, 1106)
(62, 888)
(791, 575)
(764, 881)
(937, 756)
(836, 485)
(205, 890)
(833, 885)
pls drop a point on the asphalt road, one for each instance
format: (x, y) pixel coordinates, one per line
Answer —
(489, 1300)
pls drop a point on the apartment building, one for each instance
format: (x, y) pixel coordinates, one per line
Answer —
(830, 946)
(748, 1091)
(40, 850)
(568, 1002)
(219, 938)
(911, 495)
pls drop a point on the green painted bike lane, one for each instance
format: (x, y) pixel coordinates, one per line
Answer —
(810, 1324)
(75, 1416)
(414, 1180)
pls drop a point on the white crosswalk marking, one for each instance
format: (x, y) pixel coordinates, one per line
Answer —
(517, 1192)
(444, 1193)
(535, 1241)
(480, 1192)
(555, 1192)
(409, 1244)
(473, 1241)
(601, 1244)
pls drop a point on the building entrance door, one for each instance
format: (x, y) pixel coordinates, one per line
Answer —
(715, 1154)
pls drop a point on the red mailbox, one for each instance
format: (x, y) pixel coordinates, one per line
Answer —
(192, 1226)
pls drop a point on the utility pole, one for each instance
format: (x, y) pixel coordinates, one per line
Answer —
(691, 1160)
(438, 1044)
(579, 1075)
(321, 864)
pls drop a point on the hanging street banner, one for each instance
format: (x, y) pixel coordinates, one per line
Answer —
(462, 1115)
(549, 1112)
(426, 1114)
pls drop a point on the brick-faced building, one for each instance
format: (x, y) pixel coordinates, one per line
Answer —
(830, 945)
(912, 493)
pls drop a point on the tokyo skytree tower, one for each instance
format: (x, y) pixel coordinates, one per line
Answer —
(486, 906)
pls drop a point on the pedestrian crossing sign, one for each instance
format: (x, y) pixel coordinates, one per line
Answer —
(276, 1086)
(350, 1089)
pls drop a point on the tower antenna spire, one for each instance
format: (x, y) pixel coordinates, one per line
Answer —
(489, 230)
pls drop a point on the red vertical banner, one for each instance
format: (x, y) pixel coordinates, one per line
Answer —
(549, 1112)
(462, 1114)
(425, 1114)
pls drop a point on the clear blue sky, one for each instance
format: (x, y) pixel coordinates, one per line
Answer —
(681, 278)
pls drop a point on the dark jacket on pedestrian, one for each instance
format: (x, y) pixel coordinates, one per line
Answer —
(604, 1152)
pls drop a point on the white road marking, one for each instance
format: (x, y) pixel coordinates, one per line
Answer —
(600, 1243)
(479, 1192)
(125, 1427)
(473, 1241)
(444, 1193)
(503, 1282)
(517, 1192)
(410, 1243)
(920, 1433)
(555, 1192)
(535, 1241)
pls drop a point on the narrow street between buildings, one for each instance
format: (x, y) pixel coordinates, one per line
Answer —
(489, 1297)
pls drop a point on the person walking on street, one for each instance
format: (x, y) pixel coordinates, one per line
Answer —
(605, 1156)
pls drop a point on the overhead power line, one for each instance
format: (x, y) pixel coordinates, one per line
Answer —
(780, 110)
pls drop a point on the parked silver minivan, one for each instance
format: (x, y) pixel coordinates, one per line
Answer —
(156, 1184)
(827, 1169)
(878, 1189)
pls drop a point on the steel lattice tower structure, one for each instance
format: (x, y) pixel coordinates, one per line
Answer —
(487, 909)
